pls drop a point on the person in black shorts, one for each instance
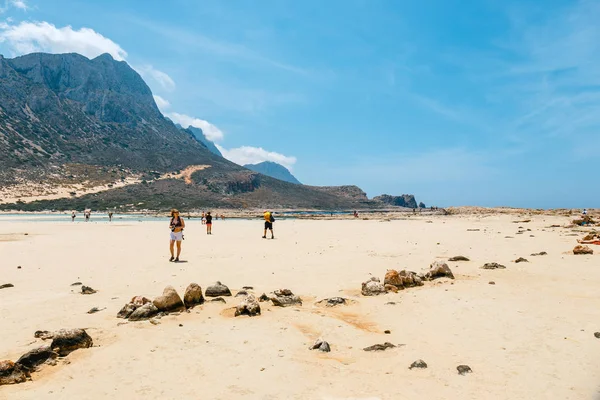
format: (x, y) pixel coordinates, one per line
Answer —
(268, 224)
(208, 223)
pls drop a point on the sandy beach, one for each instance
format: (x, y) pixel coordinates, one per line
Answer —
(528, 336)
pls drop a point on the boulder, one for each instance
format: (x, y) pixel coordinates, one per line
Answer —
(6, 285)
(241, 293)
(464, 369)
(263, 297)
(321, 345)
(193, 295)
(392, 288)
(458, 258)
(11, 373)
(249, 306)
(597, 335)
(439, 269)
(285, 298)
(146, 311)
(380, 347)
(521, 259)
(67, 340)
(373, 287)
(216, 290)
(126, 311)
(169, 301)
(218, 300)
(392, 277)
(493, 266)
(418, 364)
(579, 250)
(30, 360)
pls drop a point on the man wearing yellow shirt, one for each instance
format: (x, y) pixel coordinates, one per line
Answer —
(268, 224)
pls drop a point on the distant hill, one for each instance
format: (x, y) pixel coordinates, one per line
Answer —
(406, 200)
(274, 170)
(199, 135)
(67, 120)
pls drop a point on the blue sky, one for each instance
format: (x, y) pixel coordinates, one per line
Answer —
(459, 102)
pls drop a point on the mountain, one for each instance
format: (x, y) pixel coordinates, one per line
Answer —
(92, 124)
(199, 135)
(273, 170)
(406, 200)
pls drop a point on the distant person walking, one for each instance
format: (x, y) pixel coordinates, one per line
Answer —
(73, 215)
(208, 223)
(110, 214)
(584, 212)
(176, 225)
(87, 213)
(269, 219)
(203, 218)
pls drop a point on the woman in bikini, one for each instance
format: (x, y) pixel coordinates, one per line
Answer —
(177, 224)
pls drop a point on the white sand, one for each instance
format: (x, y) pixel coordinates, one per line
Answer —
(530, 336)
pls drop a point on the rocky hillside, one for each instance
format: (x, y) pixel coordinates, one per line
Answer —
(66, 119)
(199, 135)
(273, 170)
(406, 200)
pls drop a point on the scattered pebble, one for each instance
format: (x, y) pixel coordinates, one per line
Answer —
(493, 266)
(458, 258)
(87, 290)
(387, 331)
(521, 259)
(464, 369)
(418, 364)
(491, 283)
(380, 347)
(76, 284)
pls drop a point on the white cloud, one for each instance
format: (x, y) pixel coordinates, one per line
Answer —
(162, 104)
(19, 4)
(164, 80)
(28, 37)
(211, 132)
(253, 155)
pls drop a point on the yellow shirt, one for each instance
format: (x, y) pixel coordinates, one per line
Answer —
(268, 216)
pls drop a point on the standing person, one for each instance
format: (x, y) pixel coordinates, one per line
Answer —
(73, 215)
(87, 213)
(268, 224)
(584, 212)
(110, 214)
(208, 223)
(203, 218)
(176, 225)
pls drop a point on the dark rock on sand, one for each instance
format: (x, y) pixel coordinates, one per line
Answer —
(373, 287)
(464, 369)
(402, 279)
(521, 259)
(387, 332)
(126, 311)
(285, 298)
(193, 295)
(597, 335)
(579, 250)
(94, 310)
(6, 285)
(380, 347)
(44, 335)
(11, 373)
(144, 312)
(67, 340)
(493, 266)
(247, 287)
(541, 253)
(76, 284)
(218, 300)
(263, 297)
(392, 288)
(87, 290)
(241, 293)
(139, 301)
(249, 306)
(458, 258)
(216, 290)
(333, 301)
(491, 283)
(418, 364)
(439, 269)
(35, 357)
(169, 301)
(321, 345)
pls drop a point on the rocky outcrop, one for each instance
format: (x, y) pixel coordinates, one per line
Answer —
(169, 301)
(66, 341)
(11, 373)
(144, 312)
(248, 306)
(333, 301)
(30, 360)
(373, 287)
(402, 279)
(406, 200)
(217, 290)
(193, 295)
(285, 298)
(273, 170)
(127, 310)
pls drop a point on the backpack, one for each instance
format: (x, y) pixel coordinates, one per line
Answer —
(272, 218)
